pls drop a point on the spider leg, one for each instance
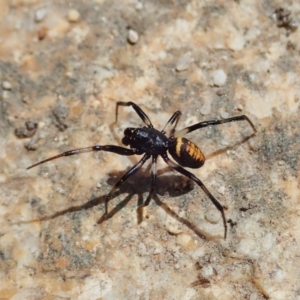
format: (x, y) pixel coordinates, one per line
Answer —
(153, 180)
(203, 187)
(138, 110)
(194, 127)
(128, 174)
(109, 148)
(173, 119)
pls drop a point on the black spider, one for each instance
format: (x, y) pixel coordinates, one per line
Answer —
(153, 143)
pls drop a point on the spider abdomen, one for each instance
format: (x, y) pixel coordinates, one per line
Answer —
(186, 153)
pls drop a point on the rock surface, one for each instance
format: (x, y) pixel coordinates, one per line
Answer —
(65, 64)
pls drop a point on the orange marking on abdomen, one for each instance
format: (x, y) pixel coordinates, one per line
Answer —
(194, 151)
(178, 146)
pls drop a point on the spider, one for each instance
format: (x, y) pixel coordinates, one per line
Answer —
(150, 142)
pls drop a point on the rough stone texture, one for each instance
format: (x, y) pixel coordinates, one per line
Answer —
(65, 70)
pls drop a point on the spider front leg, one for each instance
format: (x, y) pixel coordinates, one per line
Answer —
(109, 148)
(138, 110)
(200, 183)
(173, 120)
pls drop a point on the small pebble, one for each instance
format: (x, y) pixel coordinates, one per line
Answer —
(133, 36)
(23, 132)
(253, 296)
(240, 107)
(177, 266)
(184, 62)
(31, 124)
(60, 113)
(139, 6)
(224, 115)
(184, 239)
(203, 64)
(221, 92)
(279, 275)
(40, 15)
(221, 190)
(73, 15)
(219, 77)
(6, 85)
(213, 216)
(173, 227)
(236, 42)
(162, 265)
(205, 109)
(158, 250)
(207, 271)
(42, 33)
(224, 143)
(142, 250)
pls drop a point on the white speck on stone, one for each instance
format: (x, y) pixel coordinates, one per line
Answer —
(204, 65)
(162, 54)
(184, 62)
(177, 266)
(184, 239)
(173, 226)
(240, 107)
(218, 43)
(219, 77)
(6, 85)
(142, 251)
(40, 15)
(279, 275)
(158, 250)
(221, 190)
(224, 115)
(177, 255)
(3, 178)
(207, 271)
(162, 265)
(235, 42)
(213, 216)
(253, 296)
(139, 5)
(132, 36)
(73, 16)
(95, 287)
(205, 109)
(224, 143)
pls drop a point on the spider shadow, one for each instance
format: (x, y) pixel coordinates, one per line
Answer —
(229, 147)
(165, 185)
(138, 184)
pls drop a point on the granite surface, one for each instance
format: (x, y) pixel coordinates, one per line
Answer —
(63, 67)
